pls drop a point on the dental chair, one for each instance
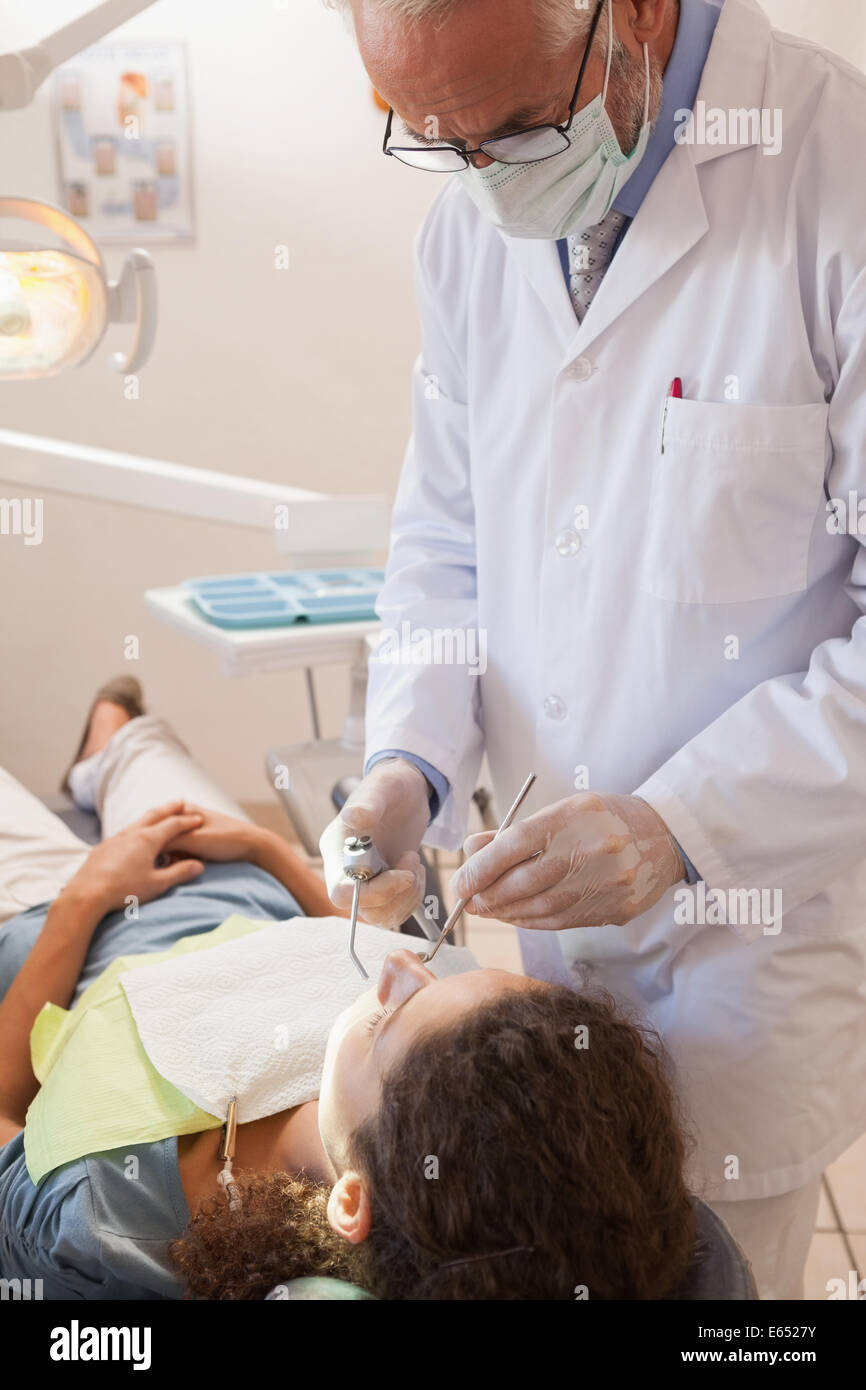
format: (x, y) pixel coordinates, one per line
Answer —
(720, 1272)
(84, 824)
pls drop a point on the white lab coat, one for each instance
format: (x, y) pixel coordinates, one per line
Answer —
(704, 645)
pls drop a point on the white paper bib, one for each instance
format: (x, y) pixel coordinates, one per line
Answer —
(251, 1018)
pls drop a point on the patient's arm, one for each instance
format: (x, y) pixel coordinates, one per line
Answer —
(122, 866)
(225, 839)
(127, 863)
(277, 858)
(49, 975)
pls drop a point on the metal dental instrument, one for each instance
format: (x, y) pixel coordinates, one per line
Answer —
(230, 1132)
(457, 911)
(226, 1155)
(361, 862)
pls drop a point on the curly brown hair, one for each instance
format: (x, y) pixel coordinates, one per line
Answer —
(542, 1123)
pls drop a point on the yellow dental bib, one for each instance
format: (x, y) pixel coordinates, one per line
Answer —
(98, 1089)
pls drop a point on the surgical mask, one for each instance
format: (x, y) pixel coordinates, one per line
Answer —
(557, 197)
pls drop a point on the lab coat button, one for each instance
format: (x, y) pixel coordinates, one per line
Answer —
(554, 707)
(568, 542)
(581, 369)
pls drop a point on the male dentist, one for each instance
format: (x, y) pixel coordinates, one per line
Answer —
(639, 444)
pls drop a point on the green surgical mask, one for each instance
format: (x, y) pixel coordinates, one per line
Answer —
(555, 198)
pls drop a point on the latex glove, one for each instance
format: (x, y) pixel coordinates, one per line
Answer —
(582, 862)
(392, 805)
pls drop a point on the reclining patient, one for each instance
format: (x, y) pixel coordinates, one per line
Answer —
(475, 1136)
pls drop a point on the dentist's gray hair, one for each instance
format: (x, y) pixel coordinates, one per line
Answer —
(562, 20)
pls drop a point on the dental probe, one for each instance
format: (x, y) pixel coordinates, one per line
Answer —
(458, 908)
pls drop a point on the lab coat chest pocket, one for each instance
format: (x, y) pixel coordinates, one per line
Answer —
(734, 498)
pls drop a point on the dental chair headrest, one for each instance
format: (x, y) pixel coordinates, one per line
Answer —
(720, 1271)
(317, 1290)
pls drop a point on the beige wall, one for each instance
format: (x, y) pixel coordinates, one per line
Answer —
(299, 376)
(836, 24)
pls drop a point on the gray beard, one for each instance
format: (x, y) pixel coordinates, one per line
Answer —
(626, 94)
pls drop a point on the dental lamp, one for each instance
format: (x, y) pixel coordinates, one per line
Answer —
(55, 304)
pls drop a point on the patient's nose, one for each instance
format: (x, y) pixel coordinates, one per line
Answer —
(402, 975)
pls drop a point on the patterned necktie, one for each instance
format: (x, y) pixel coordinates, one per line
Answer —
(589, 254)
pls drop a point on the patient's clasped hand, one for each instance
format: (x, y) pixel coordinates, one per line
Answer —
(472, 1135)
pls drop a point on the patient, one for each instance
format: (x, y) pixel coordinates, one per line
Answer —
(470, 1141)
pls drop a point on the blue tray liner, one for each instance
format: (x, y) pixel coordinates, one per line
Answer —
(286, 597)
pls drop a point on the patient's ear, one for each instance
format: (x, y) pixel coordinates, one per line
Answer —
(349, 1208)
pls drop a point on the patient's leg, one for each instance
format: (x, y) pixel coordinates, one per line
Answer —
(144, 764)
(38, 853)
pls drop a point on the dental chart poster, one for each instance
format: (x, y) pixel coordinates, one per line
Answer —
(123, 139)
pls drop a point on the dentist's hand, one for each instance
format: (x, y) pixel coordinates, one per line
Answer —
(392, 806)
(582, 862)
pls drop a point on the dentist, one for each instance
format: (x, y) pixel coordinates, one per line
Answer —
(675, 631)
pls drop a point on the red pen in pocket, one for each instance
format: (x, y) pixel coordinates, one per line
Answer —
(675, 393)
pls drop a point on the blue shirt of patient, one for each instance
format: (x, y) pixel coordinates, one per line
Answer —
(97, 1228)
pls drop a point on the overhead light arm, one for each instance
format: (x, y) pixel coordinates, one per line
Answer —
(132, 299)
(22, 73)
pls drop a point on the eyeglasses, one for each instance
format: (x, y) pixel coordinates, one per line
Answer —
(529, 146)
